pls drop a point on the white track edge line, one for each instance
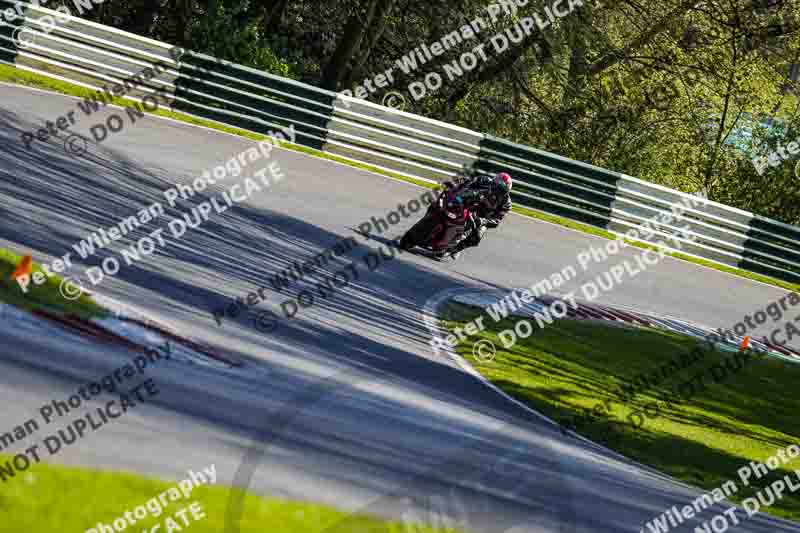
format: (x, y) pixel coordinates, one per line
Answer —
(36, 89)
(429, 314)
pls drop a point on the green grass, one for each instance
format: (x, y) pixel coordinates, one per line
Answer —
(22, 77)
(56, 498)
(571, 366)
(41, 297)
(599, 232)
(788, 285)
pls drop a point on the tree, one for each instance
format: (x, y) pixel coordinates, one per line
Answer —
(364, 21)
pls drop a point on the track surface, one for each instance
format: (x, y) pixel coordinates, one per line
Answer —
(353, 407)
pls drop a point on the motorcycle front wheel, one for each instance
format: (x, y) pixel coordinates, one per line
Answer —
(419, 233)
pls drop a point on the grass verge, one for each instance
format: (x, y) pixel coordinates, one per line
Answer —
(14, 75)
(56, 498)
(599, 232)
(569, 368)
(46, 296)
(31, 79)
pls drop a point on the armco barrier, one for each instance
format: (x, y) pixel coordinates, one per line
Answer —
(8, 49)
(249, 99)
(85, 53)
(552, 183)
(401, 142)
(93, 55)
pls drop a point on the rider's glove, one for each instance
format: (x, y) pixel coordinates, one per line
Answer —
(472, 196)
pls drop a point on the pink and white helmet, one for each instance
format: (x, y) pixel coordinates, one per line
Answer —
(502, 178)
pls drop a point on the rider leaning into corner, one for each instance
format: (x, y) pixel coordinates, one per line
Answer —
(495, 194)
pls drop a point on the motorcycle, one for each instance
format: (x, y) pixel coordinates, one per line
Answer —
(445, 223)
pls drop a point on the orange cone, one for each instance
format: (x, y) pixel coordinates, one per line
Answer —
(23, 268)
(745, 343)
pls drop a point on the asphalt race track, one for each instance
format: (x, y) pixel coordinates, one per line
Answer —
(345, 404)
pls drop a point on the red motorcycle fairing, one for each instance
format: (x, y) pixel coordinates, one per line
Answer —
(443, 224)
(452, 230)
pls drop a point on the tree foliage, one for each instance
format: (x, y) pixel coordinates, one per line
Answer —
(669, 91)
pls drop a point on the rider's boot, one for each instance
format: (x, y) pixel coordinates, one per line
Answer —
(439, 255)
(460, 245)
(457, 250)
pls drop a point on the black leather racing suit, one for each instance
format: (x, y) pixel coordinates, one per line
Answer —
(495, 204)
